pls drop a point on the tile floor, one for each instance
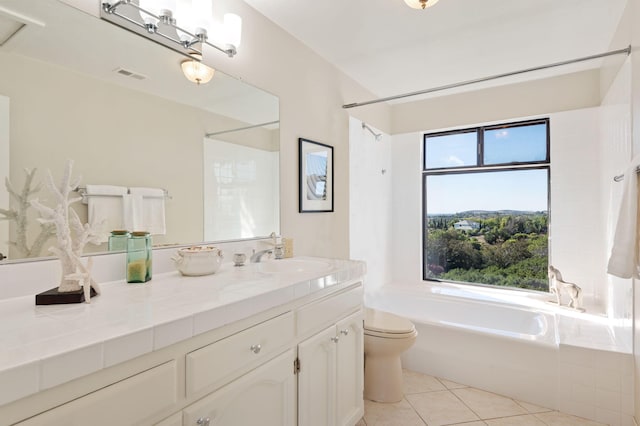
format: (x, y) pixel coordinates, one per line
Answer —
(434, 402)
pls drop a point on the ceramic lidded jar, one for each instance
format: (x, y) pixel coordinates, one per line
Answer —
(198, 260)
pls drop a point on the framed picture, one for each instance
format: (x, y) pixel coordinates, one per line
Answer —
(316, 176)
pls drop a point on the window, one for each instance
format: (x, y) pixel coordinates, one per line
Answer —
(486, 205)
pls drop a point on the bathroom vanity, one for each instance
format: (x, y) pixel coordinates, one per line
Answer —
(273, 343)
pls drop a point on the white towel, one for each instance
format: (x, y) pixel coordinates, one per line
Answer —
(623, 261)
(132, 212)
(153, 217)
(104, 209)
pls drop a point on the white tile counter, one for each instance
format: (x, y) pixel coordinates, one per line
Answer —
(45, 346)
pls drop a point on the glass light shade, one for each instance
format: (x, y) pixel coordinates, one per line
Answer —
(197, 72)
(149, 5)
(202, 14)
(417, 4)
(184, 18)
(157, 6)
(232, 29)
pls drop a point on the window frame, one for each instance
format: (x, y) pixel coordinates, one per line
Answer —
(481, 168)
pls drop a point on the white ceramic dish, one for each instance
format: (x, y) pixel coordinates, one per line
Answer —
(198, 260)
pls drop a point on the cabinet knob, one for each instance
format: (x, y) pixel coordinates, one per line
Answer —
(345, 331)
(204, 421)
(335, 339)
(256, 348)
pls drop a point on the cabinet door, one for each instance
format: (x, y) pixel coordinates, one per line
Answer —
(350, 370)
(265, 396)
(316, 379)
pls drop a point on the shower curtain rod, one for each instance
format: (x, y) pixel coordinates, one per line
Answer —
(208, 135)
(627, 50)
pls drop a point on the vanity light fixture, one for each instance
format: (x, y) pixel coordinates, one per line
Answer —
(156, 21)
(196, 71)
(420, 4)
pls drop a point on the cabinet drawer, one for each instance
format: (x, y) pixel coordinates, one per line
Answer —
(317, 315)
(130, 401)
(222, 361)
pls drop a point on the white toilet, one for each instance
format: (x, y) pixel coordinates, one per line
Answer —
(386, 336)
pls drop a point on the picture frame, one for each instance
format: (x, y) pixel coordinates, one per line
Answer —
(315, 162)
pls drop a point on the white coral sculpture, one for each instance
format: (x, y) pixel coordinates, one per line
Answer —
(75, 274)
(20, 216)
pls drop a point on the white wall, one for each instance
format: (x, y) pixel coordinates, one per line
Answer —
(406, 154)
(577, 225)
(370, 204)
(4, 168)
(615, 154)
(635, 102)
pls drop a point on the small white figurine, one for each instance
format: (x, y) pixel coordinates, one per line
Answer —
(557, 285)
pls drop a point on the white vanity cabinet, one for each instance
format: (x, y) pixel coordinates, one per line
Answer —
(297, 362)
(331, 363)
(265, 396)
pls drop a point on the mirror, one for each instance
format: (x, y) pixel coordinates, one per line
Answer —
(75, 87)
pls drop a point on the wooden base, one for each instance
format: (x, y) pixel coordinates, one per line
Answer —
(55, 297)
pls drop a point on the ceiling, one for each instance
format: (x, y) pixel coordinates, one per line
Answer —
(392, 49)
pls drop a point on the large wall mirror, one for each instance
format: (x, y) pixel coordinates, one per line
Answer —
(75, 87)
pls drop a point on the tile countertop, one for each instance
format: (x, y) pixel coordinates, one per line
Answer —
(44, 346)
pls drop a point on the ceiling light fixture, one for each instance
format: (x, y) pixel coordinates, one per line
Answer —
(156, 21)
(420, 4)
(196, 71)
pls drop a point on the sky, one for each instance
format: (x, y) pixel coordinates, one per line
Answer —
(504, 190)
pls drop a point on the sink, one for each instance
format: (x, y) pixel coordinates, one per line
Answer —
(292, 266)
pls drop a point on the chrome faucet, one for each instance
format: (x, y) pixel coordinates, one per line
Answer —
(256, 257)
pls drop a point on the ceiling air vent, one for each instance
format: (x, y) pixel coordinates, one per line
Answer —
(131, 74)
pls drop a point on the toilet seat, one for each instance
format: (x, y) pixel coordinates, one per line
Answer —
(387, 325)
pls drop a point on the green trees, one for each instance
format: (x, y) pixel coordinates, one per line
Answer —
(507, 250)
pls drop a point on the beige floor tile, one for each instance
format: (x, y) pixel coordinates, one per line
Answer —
(390, 414)
(555, 418)
(488, 405)
(526, 420)
(478, 423)
(361, 422)
(414, 382)
(440, 408)
(452, 385)
(532, 408)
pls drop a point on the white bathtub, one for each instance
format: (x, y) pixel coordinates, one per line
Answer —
(502, 341)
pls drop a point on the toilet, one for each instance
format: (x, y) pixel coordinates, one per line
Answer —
(386, 337)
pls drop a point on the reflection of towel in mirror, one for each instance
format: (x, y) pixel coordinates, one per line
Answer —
(132, 212)
(152, 218)
(104, 209)
(624, 261)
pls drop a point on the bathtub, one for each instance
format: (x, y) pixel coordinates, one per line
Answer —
(502, 341)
